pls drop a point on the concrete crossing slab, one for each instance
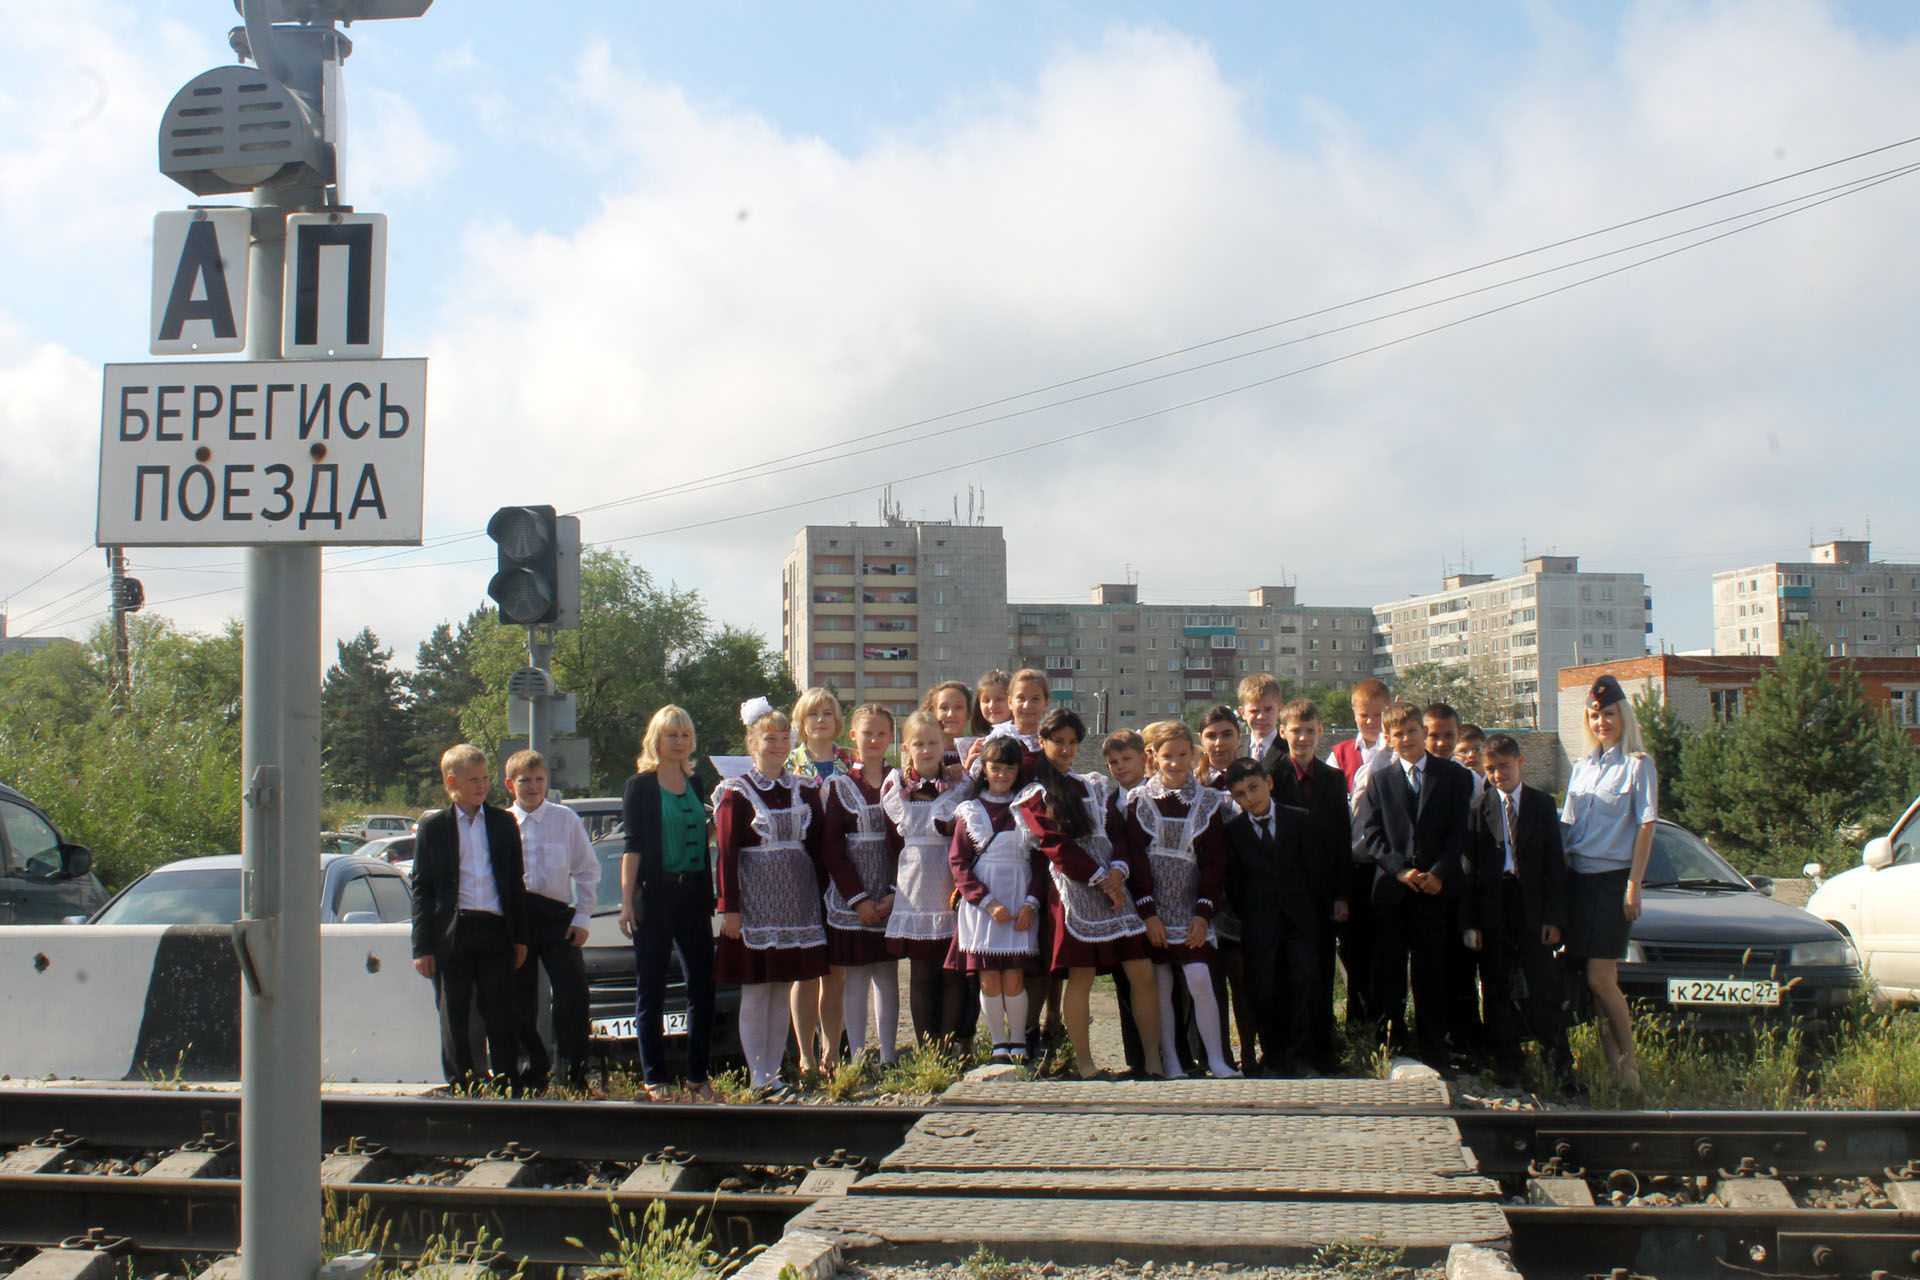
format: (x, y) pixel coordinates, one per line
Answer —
(1174, 1096)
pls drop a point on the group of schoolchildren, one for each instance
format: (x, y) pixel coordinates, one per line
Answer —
(1215, 875)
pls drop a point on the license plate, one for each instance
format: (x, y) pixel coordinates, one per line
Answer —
(675, 1024)
(1754, 991)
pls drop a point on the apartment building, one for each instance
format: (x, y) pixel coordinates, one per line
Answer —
(1123, 662)
(1518, 631)
(881, 612)
(1859, 608)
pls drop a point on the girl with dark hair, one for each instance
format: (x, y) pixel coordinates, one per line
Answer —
(919, 799)
(1097, 922)
(999, 872)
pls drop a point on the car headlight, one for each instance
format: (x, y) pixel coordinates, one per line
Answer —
(1834, 952)
(1636, 954)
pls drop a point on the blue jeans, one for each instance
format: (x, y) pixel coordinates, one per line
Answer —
(673, 912)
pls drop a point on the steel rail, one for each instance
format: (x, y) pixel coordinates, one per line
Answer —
(1549, 1242)
(202, 1216)
(460, 1128)
(1796, 1143)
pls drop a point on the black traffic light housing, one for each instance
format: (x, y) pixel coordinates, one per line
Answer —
(537, 581)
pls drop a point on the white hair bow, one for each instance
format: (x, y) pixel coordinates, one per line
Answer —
(753, 708)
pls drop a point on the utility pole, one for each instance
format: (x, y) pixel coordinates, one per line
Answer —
(118, 592)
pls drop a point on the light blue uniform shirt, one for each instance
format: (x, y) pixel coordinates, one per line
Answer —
(1610, 796)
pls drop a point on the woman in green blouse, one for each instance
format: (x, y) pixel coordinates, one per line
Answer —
(666, 898)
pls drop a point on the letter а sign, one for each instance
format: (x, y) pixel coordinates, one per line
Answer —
(199, 282)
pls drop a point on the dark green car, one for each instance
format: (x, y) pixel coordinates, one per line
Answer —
(43, 879)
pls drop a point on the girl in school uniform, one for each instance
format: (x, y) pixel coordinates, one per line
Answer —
(858, 850)
(1177, 822)
(1220, 742)
(1607, 828)
(771, 934)
(919, 799)
(1001, 877)
(951, 704)
(817, 757)
(990, 703)
(1097, 921)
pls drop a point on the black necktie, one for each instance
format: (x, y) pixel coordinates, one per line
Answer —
(1266, 827)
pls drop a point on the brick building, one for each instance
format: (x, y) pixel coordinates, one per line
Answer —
(1860, 608)
(1712, 689)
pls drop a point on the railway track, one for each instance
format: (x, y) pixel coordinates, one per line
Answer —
(543, 1178)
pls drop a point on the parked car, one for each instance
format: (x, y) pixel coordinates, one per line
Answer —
(610, 984)
(375, 825)
(43, 877)
(353, 890)
(339, 842)
(601, 814)
(394, 850)
(1709, 941)
(1877, 906)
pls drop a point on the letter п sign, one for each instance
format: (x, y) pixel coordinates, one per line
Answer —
(248, 453)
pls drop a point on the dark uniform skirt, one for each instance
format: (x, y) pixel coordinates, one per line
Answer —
(1597, 923)
(734, 961)
(855, 947)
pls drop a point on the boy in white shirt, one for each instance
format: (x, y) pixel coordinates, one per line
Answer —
(562, 876)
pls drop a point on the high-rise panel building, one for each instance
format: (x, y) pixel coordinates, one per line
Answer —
(1120, 661)
(882, 612)
(1517, 632)
(1859, 607)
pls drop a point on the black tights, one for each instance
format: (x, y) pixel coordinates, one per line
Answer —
(936, 997)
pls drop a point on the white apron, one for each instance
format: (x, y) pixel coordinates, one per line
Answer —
(779, 893)
(1004, 865)
(1090, 915)
(866, 849)
(922, 909)
(1176, 868)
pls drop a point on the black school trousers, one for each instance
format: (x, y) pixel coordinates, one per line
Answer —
(547, 948)
(1413, 928)
(476, 967)
(1509, 950)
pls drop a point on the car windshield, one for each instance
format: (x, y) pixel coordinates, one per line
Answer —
(178, 897)
(1681, 859)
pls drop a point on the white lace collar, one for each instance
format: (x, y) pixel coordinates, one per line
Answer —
(1158, 790)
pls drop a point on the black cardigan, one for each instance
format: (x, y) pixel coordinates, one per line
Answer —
(640, 812)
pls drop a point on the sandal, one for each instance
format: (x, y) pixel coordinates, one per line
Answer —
(702, 1091)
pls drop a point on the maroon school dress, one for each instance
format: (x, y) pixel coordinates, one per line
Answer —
(995, 859)
(763, 831)
(1179, 832)
(857, 848)
(1088, 930)
(921, 810)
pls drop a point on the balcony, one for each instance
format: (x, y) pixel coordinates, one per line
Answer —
(832, 580)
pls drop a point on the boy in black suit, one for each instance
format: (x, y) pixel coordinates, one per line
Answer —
(1515, 910)
(1412, 824)
(1270, 883)
(1305, 782)
(470, 917)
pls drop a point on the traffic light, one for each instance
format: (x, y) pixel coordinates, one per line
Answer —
(129, 595)
(537, 583)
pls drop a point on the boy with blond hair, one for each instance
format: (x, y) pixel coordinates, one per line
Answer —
(470, 918)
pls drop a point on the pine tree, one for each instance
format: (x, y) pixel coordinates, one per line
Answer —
(443, 681)
(363, 718)
(1666, 736)
(1810, 762)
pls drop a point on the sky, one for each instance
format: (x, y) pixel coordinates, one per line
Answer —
(1218, 295)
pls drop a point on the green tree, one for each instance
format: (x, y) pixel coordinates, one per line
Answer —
(1666, 736)
(1473, 693)
(443, 681)
(1809, 766)
(142, 784)
(364, 736)
(732, 665)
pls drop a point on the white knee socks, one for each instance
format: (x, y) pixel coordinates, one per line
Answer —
(1206, 1015)
(993, 1012)
(1169, 1029)
(1017, 1024)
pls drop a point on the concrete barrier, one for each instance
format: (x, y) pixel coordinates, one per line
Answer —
(112, 1002)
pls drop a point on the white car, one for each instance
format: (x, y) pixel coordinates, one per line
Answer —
(1877, 905)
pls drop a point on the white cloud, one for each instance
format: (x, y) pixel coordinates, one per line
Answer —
(740, 292)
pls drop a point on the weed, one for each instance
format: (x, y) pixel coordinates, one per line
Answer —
(648, 1247)
(1359, 1260)
(348, 1226)
(174, 1079)
(845, 1081)
(732, 1086)
(929, 1069)
(984, 1264)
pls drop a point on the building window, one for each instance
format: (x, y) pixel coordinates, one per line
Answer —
(1906, 708)
(1103, 622)
(1725, 705)
(940, 570)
